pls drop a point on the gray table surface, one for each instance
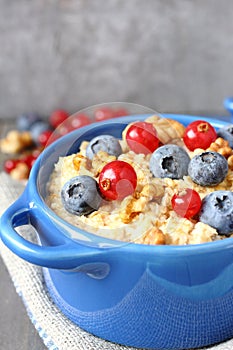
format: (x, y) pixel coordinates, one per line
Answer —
(16, 329)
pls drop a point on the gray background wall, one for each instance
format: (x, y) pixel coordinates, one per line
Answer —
(169, 55)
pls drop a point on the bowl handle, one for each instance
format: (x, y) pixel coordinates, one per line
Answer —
(66, 254)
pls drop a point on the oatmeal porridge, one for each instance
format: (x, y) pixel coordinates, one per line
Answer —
(156, 185)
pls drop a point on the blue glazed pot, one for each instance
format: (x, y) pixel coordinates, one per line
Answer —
(155, 297)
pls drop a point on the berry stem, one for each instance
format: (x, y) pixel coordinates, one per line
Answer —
(106, 184)
(203, 127)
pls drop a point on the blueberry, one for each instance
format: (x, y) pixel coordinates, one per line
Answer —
(208, 168)
(80, 195)
(217, 211)
(169, 161)
(25, 121)
(106, 143)
(37, 128)
(227, 133)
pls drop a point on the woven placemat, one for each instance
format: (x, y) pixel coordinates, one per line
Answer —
(57, 332)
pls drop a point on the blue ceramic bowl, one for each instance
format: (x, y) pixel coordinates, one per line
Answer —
(155, 297)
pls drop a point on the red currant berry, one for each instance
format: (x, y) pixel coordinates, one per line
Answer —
(44, 137)
(28, 159)
(10, 164)
(63, 129)
(187, 203)
(117, 180)
(120, 112)
(79, 120)
(36, 152)
(141, 137)
(199, 134)
(57, 117)
(103, 113)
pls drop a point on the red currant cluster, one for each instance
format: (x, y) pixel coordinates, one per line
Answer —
(20, 167)
(43, 133)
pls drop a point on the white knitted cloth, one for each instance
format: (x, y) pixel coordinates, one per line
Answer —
(57, 332)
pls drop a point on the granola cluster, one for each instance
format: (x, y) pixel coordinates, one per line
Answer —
(15, 142)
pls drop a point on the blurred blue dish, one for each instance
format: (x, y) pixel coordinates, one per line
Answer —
(228, 104)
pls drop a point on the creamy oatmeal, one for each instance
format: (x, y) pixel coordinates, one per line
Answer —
(146, 215)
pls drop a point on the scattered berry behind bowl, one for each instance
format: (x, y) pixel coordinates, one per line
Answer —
(36, 132)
